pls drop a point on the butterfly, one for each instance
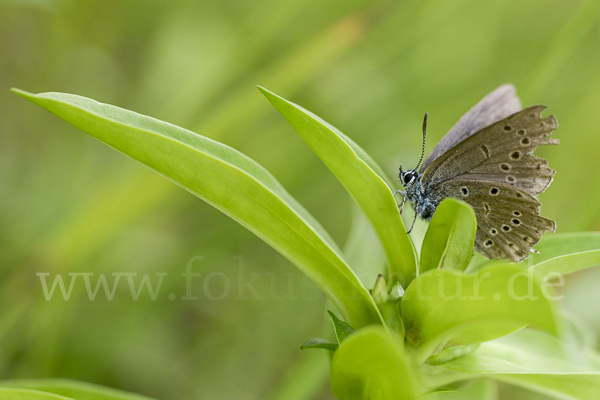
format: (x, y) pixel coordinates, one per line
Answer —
(487, 160)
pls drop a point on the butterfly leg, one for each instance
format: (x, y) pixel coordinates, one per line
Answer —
(401, 206)
(414, 219)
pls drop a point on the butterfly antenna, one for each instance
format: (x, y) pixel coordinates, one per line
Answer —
(424, 136)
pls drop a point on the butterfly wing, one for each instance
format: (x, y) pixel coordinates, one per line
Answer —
(497, 105)
(495, 171)
(501, 152)
(509, 223)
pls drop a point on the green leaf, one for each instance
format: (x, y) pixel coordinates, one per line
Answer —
(392, 317)
(71, 389)
(577, 332)
(450, 353)
(397, 292)
(371, 365)
(303, 379)
(477, 262)
(391, 311)
(560, 244)
(566, 253)
(562, 253)
(362, 249)
(380, 291)
(342, 329)
(357, 172)
(535, 361)
(568, 264)
(229, 181)
(26, 394)
(447, 308)
(482, 390)
(449, 240)
(319, 343)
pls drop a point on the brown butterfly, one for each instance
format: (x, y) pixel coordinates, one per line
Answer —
(487, 161)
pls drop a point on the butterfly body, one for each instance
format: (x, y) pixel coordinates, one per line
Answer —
(423, 204)
(487, 161)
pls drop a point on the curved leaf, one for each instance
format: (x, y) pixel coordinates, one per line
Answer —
(319, 343)
(566, 253)
(442, 308)
(72, 389)
(342, 329)
(450, 353)
(562, 244)
(577, 332)
(562, 253)
(357, 175)
(229, 181)
(482, 390)
(302, 380)
(449, 240)
(390, 310)
(380, 291)
(27, 394)
(362, 249)
(371, 365)
(569, 263)
(392, 317)
(536, 361)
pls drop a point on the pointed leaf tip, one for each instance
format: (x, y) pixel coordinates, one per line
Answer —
(231, 182)
(342, 329)
(364, 180)
(319, 343)
(21, 93)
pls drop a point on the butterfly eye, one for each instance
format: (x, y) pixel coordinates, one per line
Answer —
(408, 178)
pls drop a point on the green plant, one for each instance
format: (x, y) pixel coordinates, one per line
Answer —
(426, 330)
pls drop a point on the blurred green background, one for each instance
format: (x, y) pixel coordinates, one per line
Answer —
(69, 204)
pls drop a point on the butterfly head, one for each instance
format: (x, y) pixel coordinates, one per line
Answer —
(407, 177)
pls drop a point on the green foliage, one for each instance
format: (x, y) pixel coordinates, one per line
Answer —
(447, 307)
(371, 365)
(61, 389)
(357, 172)
(567, 253)
(447, 326)
(229, 181)
(536, 361)
(449, 240)
(342, 329)
(319, 343)
(482, 390)
(24, 394)
(391, 310)
(69, 204)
